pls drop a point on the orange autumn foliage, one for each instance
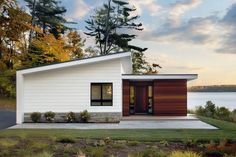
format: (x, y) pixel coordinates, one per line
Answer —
(56, 48)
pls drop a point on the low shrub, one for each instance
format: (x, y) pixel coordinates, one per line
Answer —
(150, 152)
(84, 116)
(35, 117)
(119, 146)
(233, 115)
(222, 113)
(107, 140)
(184, 154)
(94, 151)
(164, 143)
(107, 119)
(70, 117)
(210, 109)
(213, 153)
(71, 149)
(49, 116)
(200, 111)
(65, 140)
(190, 143)
(44, 154)
(80, 154)
(213, 111)
(99, 143)
(190, 111)
(133, 143)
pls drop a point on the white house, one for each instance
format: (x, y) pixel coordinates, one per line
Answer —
(102, 85)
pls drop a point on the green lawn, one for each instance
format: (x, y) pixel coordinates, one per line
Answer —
(227, 131)
(7, 103)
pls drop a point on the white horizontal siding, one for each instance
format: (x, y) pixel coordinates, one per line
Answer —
(68, 89)
(126, 65)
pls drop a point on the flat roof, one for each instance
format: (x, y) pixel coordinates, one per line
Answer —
(160, 76)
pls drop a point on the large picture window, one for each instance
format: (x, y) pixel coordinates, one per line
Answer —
(101, 94)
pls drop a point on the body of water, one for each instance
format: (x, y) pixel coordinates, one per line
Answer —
(226, 99)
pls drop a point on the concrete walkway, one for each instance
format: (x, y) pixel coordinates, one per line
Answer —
(157, 124)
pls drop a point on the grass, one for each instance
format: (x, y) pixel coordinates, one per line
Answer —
(227, 130)
(38, 144)
(7, 142)
(152, 152)
(95, 151)
(7, 103)
(187, 154)
(45, 154)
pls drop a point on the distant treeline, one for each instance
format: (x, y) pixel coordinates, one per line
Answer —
(214, 88)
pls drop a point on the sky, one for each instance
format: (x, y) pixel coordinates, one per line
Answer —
(183, 36)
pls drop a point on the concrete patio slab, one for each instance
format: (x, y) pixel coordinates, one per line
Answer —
(151, 117)
(157, 124)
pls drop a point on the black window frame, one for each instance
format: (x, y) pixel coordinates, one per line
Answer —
(101, 88)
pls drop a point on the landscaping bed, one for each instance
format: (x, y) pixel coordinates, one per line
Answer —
(61, 147)
(132, 143)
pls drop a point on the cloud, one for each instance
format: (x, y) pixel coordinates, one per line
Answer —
(176, 10)
(149, 5)
(214, 32)
(171, 65)
(196, 31)
(230, 16)
(188, 68)
(229, 21)
(76, 8)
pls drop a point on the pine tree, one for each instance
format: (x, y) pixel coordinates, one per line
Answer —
(50, 41)
(48, 15)
(107, 26)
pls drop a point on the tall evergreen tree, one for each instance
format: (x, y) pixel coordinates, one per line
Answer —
(47, 15)
(50, 41)
(108, 24)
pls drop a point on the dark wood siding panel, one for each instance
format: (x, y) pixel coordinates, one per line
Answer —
(170, 97)
(126, 97)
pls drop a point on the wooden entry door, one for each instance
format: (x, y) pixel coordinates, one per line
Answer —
(141, 105)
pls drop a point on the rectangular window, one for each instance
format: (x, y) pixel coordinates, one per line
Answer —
(101, 94)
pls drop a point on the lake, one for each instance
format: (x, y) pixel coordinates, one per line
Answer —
(226, 99)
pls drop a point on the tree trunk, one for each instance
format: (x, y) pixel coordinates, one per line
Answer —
(32, 22)
(107, 27)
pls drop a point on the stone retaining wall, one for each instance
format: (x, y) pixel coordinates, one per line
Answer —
(95, 117)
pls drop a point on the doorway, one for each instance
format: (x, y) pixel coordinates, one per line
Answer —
(141, 99)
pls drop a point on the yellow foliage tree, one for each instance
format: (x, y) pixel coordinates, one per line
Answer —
(55, 49)
(13, 24)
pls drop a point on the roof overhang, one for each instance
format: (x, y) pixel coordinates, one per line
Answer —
(159, 76)
(75, 62)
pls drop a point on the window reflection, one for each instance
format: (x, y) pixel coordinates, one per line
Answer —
(131, 100)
